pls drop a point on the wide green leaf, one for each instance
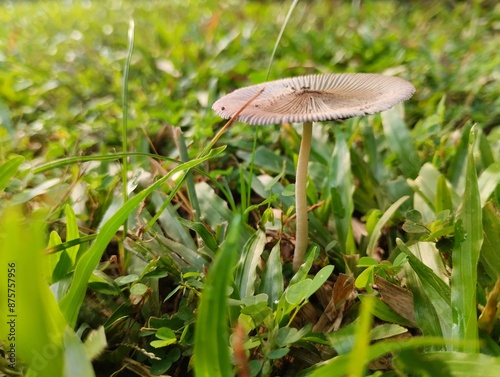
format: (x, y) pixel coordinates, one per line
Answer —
(211, 346)
(490, 252)
(272, 277)
(488, 181)
(340, 189)
(453, 364)
(30, 312)
(246, 272)
(400, 141)
(432, 296)
(340, 365)
(465, 257)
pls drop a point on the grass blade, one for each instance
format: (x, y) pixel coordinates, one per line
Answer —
(272, 277)
(246, 273)
(488, 181)
(32, 312)
(76, 362)
(8, 170)
(359, 353)
(400, 141)
(72, 233)
(70, 304)
(470, 365)
(377, 230)
(126, 70)
(465, 257)
(443, 199)
(287, 19)
(490, 254)
(211, 346)
(339, 366)
(431, 296)
(183, 152)
(341, 186)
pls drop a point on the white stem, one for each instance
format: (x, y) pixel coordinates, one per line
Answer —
(302, 232)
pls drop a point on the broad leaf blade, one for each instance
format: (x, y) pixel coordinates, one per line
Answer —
(488, 181)
(272, 278)
(31, 310)
(490, 253)
(400, 141)
(211, 346)
(465, 257)
(340, 187)
(246, 273)
(431, 295)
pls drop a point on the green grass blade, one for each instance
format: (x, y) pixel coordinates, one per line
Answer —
(377, 230)
(246, 272)
(126, 70)
(184, 154)
(485, 150)
(62, 162)
(359, 353)
(211, 346)
(170, 221)
(76, 362)
(490, 254)
(431, 296)
(70, 304)
(380, 310)
(465, 257)
(287, 19)
(341, 186)
(488, 181)
(202, 231)
(339, 366)
(29, 305)
(428, 186)
(442, 200)
(400, 141)
(8, 170)
(272, 277)
(214, 208)
(466, 364)
(456, 171)
(72, 233)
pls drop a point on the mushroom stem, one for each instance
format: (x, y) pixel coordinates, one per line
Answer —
(301, 223)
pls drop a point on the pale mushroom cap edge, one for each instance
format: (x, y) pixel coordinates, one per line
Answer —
(314, 98)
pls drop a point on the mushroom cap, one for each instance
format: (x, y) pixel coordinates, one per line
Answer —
(315, 98)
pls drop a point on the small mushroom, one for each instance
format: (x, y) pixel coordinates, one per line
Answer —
(309, 99)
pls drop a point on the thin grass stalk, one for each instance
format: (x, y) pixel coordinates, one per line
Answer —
(126, 71)
(257, 129)
(193, 198)
(280, 35)
(203, 153)
(250, 170)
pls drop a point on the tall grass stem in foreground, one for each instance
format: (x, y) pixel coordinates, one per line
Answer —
(126, 70)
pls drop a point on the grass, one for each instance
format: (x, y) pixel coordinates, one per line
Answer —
(143, 236)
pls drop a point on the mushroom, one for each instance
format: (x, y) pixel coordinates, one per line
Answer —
(309, 99)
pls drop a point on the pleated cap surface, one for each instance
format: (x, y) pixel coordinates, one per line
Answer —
(314, 98)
